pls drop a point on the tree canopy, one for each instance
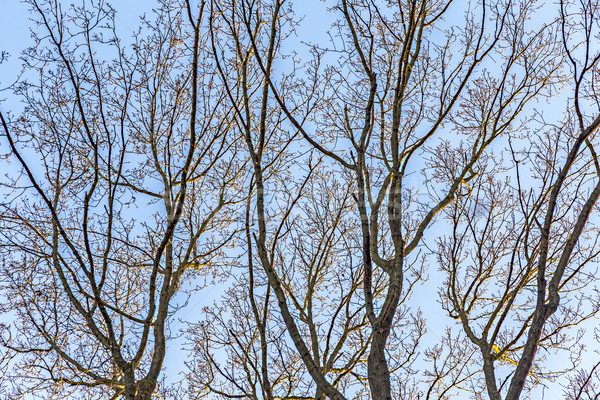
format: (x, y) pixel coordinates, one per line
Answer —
(404, 208)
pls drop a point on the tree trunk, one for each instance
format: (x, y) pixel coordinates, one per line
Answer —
(379, 373)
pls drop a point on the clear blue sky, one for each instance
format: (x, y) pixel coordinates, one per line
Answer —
(15, 28)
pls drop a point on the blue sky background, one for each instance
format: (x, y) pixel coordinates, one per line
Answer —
(15, 25)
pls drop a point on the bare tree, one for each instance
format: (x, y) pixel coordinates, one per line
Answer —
(339, 161)
(399, 89)
(315, 270)
(522, 241)
(125, 174)
(295, 235)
